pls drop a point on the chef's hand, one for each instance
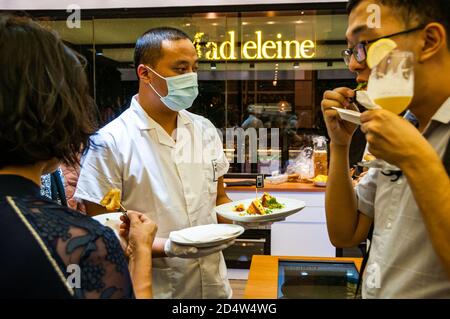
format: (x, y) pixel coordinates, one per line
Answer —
(137, 233)
(340, 131)
(393, 138)
(181, 251)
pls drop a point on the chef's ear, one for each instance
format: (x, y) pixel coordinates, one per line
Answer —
(434, 40)
(144, 73)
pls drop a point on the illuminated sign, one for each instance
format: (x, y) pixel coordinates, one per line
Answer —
(254, 49)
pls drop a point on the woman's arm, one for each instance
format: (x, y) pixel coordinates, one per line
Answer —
(139, 232)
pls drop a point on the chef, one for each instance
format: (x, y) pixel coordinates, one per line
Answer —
(168, 163)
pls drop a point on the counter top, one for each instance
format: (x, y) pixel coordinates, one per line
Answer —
(263, 277)
(284, 187)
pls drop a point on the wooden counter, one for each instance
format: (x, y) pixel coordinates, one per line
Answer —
(284, 187)
(263, 277)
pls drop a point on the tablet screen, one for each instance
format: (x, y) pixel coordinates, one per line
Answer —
(317, 280)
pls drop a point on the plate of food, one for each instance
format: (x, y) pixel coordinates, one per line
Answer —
(264, 209)
(206, 235)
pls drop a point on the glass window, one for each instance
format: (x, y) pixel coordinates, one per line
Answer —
(260, 70)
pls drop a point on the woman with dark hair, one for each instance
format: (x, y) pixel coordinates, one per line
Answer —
(46, 118)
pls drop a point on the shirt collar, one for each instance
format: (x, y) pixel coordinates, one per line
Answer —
(14, 185)
(183, 118)
(443, 114)
(145, 122)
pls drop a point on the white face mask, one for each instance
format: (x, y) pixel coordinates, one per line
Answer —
(182, 90)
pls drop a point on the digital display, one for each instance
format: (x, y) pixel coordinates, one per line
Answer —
(317, 280)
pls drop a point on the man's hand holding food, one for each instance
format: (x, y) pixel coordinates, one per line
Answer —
(340, 131)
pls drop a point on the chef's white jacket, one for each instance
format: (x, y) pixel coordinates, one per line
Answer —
(174, 182)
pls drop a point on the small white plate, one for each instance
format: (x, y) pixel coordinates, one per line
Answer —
(291, 206)
(349, 115)
(363, 98)
(111, 220)
(206, 235)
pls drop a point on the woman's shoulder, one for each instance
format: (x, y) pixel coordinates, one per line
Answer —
(45, 208)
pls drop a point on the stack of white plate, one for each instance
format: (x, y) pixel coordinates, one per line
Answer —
(206, 235)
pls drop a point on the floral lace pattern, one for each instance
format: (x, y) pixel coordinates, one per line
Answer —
(73, 238)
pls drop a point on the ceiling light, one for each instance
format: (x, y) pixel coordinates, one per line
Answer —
(211, 15)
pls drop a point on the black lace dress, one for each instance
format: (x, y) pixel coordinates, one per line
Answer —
(50, 251)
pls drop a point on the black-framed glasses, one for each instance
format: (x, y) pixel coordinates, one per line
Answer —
(359, 51)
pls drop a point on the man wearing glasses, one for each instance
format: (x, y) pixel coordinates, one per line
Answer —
(410, 250)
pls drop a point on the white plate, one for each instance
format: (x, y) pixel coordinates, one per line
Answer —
(206, 235)
(111, 220)
(291, 206)
(363, 98)
(349, 115)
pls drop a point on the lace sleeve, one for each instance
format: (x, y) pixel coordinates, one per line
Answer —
(104, 272)
(101, 265)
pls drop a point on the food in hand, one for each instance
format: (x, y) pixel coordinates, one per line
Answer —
(111, 201)
(361, 86)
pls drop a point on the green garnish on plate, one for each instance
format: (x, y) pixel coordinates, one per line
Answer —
(273, 204)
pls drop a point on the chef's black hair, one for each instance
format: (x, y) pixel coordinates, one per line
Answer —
(148, 46)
